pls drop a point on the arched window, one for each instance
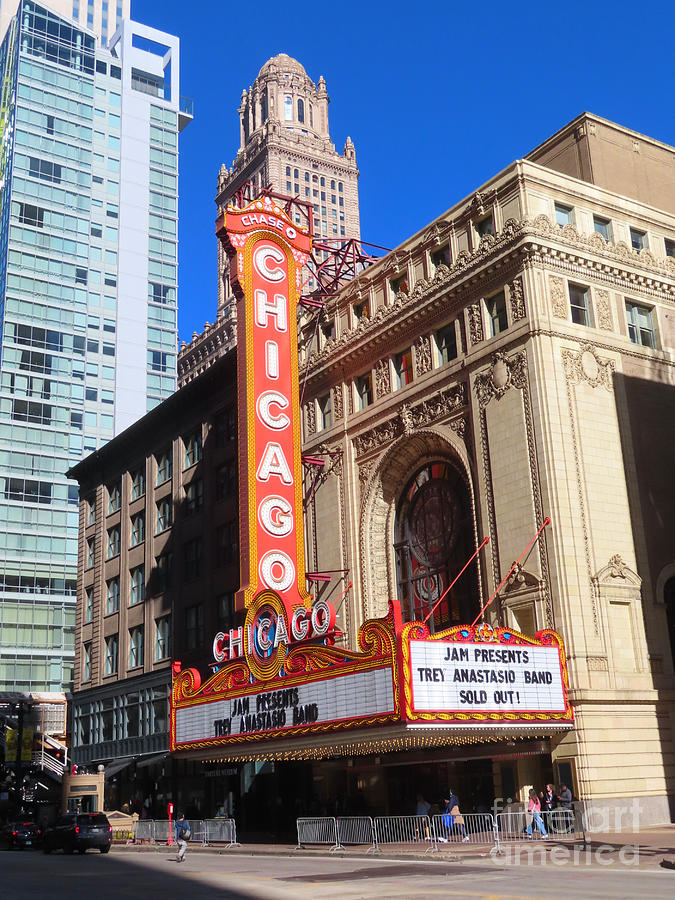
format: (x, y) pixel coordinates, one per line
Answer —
(288, 108)
(288, 171)
(434, 539)
(340, 187)
(295, 173)
(323, 181)
(311, 116)
(263, 108)
(301, 110)
(332, 185)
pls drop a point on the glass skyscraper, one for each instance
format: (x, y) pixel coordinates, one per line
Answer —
(88, 278)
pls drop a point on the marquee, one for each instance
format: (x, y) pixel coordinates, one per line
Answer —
(479, 677)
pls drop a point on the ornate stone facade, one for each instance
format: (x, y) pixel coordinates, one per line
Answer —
(542, 419)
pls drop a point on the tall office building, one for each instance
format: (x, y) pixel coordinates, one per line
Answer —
(101, 16)
(285, 144)
(88, 276)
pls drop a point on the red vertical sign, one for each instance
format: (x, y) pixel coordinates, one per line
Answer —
(267, 253)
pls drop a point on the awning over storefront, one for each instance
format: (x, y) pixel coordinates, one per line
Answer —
(151, 759)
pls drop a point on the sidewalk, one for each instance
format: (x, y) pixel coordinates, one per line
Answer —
(650, 848)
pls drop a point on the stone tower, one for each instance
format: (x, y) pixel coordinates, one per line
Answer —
(284, 144)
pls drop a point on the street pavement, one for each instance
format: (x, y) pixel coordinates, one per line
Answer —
(251, 875)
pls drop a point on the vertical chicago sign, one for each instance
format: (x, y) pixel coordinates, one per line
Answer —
(267, 253)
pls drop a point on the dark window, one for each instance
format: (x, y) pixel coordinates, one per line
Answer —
(364, 390)
(226, 541)
(638, 239)
(403, 368)
(194, 626)
(194, 496)
(485, 226)
(45, 170)
(496, 307)
(446, 343)
(192, 559)
(31, 215)
(225, 481)
(441, 257)
(602, 226)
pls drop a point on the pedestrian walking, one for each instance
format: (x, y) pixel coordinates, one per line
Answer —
(452, 817)
(534, 814)
(183, 835)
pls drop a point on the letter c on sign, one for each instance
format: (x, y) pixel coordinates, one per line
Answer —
(265, 401)
(219, 646)
(261, 258)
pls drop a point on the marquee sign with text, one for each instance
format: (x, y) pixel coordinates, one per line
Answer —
(484, 675)
(479, 677)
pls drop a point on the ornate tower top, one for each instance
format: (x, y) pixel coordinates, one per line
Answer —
(284, 98)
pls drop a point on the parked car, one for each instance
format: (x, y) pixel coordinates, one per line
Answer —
(20, 834)
(79, 831)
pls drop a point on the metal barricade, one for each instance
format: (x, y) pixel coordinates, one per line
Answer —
(162, 832)
(558, 824)
(404, 830)
(198, 829)
(356, 830)
(221, 831)
(467, 828)
(145, 830)
(318, 830)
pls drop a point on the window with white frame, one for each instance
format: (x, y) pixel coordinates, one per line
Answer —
(445, 340)
(91, 508)
(88, 604)
(162, 637)
(403, 369)
(86, 661)
(137, 529)
(111, 654)
(164, 467)
(138, 484)
(136, 647)
(638, 239)
(136, 585)
(164, 514)
(364, 390)
(564, 215)
(114, 498)
(114, 541)
(640, 324)
(112, 600)
(193, 449)
(580, 306)
(91, 551)
(325, 405)
(496, 309)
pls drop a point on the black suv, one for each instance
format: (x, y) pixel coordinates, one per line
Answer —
(79, 831)
(20, 834)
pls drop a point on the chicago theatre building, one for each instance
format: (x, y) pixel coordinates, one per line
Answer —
(496, 390)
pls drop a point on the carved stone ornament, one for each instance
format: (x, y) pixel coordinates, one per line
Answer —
(475, 324)
(338, 409)
(586, 365)
(597, 663)
(310, 415)
(602, 310)
(459, 426)
(505, 372)
(558, 299)
(422, 355)
(409, 418)
(517, 297)
(617, 567)
(382, 378)
(521, 580)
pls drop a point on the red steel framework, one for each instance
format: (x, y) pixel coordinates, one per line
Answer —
(333, 261)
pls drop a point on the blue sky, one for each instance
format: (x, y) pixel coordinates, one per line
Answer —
(437, 97)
